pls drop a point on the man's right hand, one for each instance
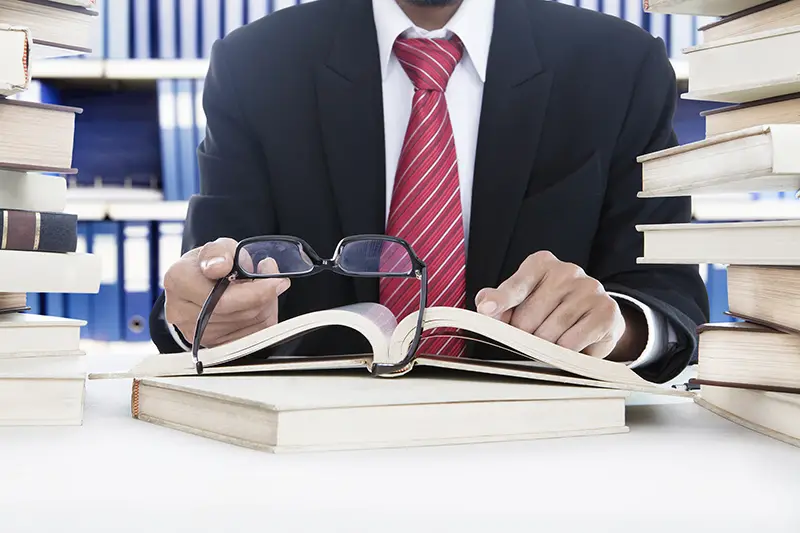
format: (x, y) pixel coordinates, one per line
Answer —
(246, 306)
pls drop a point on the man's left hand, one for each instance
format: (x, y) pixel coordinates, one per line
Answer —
(558, 302)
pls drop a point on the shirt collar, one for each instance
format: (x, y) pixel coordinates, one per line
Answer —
(473, 23)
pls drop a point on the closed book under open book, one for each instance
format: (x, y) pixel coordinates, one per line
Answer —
(311, 412)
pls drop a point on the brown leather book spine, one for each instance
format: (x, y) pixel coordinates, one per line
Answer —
(33, 231)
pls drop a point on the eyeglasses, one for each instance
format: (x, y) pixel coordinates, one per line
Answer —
(358, 256)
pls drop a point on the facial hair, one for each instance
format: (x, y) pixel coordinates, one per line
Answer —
(431, 3)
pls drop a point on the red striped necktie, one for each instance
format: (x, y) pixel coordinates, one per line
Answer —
(426, 201)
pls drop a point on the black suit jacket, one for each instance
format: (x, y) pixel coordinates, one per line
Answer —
(295, 145)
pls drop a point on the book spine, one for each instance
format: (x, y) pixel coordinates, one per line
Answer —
(135, 398)
(36, 231)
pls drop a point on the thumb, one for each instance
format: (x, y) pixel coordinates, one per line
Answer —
(491, 302)
(216, 258)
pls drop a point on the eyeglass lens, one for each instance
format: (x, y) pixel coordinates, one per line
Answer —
(375, 257)
(364, 256)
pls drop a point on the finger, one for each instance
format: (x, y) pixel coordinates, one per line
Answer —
(214, 332)
(561, 283)
(242, 296)
(216, 258)
(513, 291)
(268, 266)
(589, 330)
(238, 334)
(183, 311)
(564, 316)
(184, 281)
(538, 306)
(245, 260)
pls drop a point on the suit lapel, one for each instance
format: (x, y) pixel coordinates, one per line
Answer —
(514, 104)
(351, 121)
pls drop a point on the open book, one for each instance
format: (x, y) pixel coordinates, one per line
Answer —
(538, 359)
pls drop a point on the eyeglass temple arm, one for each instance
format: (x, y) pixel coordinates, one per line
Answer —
(388, 368)
(204, 317)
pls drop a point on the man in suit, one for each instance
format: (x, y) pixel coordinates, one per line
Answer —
(499, 137)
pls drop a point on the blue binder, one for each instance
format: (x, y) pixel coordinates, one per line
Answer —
(118, 16)
(34, 301)
(137, 296)
(612, 7)
(212, 25)
(99, 31)
(54, 304)
(170, 242)
(187, 149)
(106, 305)
(142, 39)
(632, 12)
(168, 136)
(167, 29)
(682, 34)
(256, 9)
(78, 305)
(277, 5)
(717, 287)
(199, 124)
(188, 15)
(233, 15)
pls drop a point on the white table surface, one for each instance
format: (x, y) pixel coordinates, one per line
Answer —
(680, 468)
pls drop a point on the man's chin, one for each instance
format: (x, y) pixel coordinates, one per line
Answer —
(431, 3)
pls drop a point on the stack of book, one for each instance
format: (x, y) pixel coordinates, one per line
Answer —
(749, 370)
(42, 374)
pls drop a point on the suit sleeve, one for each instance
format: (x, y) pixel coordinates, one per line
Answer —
(234, 199)
(675, 292)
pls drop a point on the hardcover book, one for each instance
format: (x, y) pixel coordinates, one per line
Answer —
(766, 243)
(37, 231)
(745, 68)
(15, 42)
(771, 15)
(760, 158)
(779, 110)
(58, 28)
(309, 411)
(36, 137)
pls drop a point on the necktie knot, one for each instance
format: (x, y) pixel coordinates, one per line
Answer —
(429, 63)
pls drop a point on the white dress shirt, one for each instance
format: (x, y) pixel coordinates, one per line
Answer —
(473, 23)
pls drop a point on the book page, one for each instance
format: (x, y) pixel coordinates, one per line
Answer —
(515, 340)
(537, 372)
(373, 321)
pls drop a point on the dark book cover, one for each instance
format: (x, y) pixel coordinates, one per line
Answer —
(33, 231)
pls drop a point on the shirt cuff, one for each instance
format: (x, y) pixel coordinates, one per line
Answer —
(178, 338)
(660, 333)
